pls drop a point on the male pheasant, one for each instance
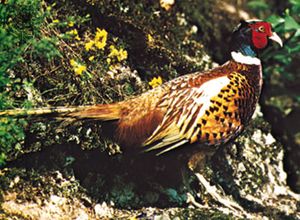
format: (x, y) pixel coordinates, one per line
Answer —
(209, 108)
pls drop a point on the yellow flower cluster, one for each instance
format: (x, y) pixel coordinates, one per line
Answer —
(77, 67)
(89, 45)
(155, 82)
(99, 41)
(74, 33)
(119, 54)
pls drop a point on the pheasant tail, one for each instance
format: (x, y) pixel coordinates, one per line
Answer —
(104, 112)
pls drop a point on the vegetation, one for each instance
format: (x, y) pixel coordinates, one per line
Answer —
(48, 58)
(21, 42)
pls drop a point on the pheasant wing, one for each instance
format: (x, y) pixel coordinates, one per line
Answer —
(185, 107)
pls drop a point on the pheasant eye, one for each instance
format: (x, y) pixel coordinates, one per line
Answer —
(261, 29)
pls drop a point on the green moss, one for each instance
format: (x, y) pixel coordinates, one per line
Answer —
(30, 185)
(123, 195)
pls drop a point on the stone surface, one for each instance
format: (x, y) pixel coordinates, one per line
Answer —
(247, 177)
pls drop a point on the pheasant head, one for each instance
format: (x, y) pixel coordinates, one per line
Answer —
(250, 37)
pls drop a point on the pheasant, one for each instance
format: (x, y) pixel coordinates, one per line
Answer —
(207, 108)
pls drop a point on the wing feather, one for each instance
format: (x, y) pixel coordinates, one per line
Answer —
(179, 126)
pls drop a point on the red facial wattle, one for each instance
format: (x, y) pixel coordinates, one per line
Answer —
(260, 38)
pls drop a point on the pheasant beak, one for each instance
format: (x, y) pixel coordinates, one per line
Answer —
(276, 38)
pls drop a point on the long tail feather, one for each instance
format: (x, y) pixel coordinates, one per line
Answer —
(104, 112)
(97, 112)
(38, 111)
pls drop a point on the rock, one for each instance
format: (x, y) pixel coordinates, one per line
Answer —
(83, 216)
(103, 211)
(247, 177)
(164, 216)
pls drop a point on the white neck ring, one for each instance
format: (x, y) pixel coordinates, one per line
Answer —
(240, 58)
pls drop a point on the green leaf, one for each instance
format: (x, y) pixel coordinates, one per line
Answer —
(2, 159)
(294, 49)
(295, 5)
(291, 23)
(275, 20)
(297, 34)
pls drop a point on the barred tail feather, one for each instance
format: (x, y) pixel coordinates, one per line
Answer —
(97, 112)
(100, 112)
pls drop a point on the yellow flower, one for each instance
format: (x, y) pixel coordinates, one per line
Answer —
(100, 38)
(73, 32)
(55, 21)
(73, 62)
(100, 44)
(79, 69)
(91, 58)
(150, 39)
(100, 33)
(119, 54)
(71, 24)
(113, 51)
(111, 67)
(89, 45)
(99, 41)
(155, 82)
(122, 55)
